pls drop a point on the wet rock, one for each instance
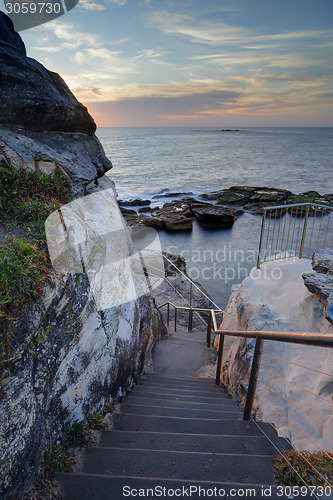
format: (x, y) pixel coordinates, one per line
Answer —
(175, 215)
(235, 195)
(134, 219)
(133, 203)
(308, 197)
(322, 286)
(329, 197)
(252, 199)
(154, 222)
(215, 216)
(266, 197)
(322, 261)
(177, 260)
(144, 209)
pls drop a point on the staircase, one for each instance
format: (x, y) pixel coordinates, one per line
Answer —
(178, 432)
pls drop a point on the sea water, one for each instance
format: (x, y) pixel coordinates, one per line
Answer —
(157, 163)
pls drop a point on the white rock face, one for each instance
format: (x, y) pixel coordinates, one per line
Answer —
(73, 350)
(79, 156)
(274, 298)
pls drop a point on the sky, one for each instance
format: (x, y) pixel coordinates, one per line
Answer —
(194, 62)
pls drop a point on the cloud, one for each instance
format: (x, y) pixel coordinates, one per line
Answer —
(69, 35)
(90, 5)
(207, 32)
(121, 3)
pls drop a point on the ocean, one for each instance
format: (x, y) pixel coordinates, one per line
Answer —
(158, 163)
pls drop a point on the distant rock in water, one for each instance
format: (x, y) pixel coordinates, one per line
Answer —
(229, 130)
(252, 199)
(32, 97)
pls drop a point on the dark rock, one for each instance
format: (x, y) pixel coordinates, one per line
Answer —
(322, 286)
(155, 222)
(31, 97)
(229, 130)
(175, 215)
(329, 197)
(266, 197)
(167, 194)
(144, 209)
(177, 223)
(252, 199)
(215, 216)
(134, 219)
(177, 260)
(133, 203)
(236, 195)
(322, 261)
(9, 35)
(308, 197)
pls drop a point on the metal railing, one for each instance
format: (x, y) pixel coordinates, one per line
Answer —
(306, 339)
(294, 231)
(191, 311)
(193, 294)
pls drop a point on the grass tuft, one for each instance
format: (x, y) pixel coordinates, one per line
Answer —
(304, 465)
(26, 200)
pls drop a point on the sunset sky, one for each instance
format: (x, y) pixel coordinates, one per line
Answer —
(195, 62)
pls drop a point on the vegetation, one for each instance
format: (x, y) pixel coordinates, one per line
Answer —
(309, 197)
(26, 200)
(303, 465)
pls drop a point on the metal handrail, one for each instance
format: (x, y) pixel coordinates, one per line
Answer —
(190, 316)
(276, 235)
(312, 339)
(192, 283)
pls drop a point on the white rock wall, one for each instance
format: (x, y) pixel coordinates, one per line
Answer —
(284, 304)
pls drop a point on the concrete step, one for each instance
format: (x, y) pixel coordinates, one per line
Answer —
(195, 397)
(179, 425)
(167, 411)
(223, 443)
(210, 389)
(102, 487)
(178, 403)
(238, 468)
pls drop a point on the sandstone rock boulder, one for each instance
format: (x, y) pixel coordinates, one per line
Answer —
(8, 34)
(322, 261)
(215, 216)
(252, 199)
(175, 215)
(32, 97)
(134, 203)
(322, 286)
(236, 195)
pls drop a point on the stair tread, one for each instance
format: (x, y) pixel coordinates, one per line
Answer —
(248, 443)
(178, 465)
(102, 487)
(178, 425)
(166, 411)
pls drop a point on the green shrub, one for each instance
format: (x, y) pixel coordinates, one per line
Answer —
(301, 465)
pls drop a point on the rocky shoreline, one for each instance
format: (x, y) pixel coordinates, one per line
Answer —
(219, 210)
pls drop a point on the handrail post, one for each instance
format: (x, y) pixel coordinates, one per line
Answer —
(168, 314)
(219, 360)
(190, 320)
(175, 319)
(305, 225)
(209, 330)
(190, 314)
(253, 378)
(261, 238)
